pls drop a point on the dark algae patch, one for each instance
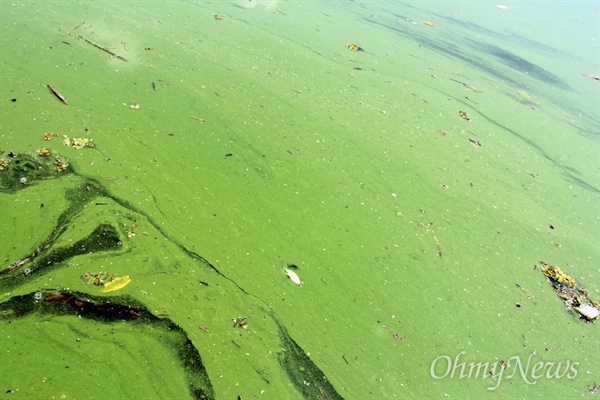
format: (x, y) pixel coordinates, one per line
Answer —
(104, 238)
(116, 309)
(307, 378)
(18, 170)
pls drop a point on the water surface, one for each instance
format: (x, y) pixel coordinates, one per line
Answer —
(262, 142)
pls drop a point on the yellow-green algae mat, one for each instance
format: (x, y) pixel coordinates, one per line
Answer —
(414, 184)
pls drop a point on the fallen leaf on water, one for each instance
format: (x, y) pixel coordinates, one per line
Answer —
(293, 276)
(116, 284)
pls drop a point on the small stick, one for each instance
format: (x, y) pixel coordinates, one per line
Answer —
(60, 96)
(198, 119)
(437, 244)
(80, 25)
(475, 143)
(203, 328)
(345, 359)
(236, 344)
(101, 47)
(323, 393)
(153, 85)
(527, 292)
(15, 265)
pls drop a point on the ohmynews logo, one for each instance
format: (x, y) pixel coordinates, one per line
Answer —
(444, 367)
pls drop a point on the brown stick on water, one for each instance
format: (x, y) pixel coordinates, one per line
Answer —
(60, 96)
(14, 265)
(101, 47)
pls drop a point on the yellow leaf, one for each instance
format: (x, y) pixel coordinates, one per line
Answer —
(116, 284)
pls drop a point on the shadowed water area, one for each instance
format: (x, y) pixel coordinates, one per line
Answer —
(167, 167)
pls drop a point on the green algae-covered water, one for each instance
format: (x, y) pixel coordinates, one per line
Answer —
(413, 184)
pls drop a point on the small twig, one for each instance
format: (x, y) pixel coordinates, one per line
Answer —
(60, 96)
(527, 292)
(437, 244)
(345, 359)
(198, 119)
(323, 393)
(101, 47)
(15, 265)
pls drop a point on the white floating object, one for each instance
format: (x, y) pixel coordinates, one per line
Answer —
(502, 7)
(293, 276)
(587, 311)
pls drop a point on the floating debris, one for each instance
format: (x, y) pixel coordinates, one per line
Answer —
(467, 86)
(524, 94)
(100, 47)
(61, 164)
(437, 243)
(14, 265)
(43, 152)
(355, 47)
(240, 322)
(110, 282)
(595, 77)
(568, 290)
(429, 23)
(587, 312)
(134, 106)
(99, 278)
(56, 92)
(293, 276)
(116, 284)
(475, 143)
(527, 292)
(464, 115)
(78, 143)
(50, 135)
